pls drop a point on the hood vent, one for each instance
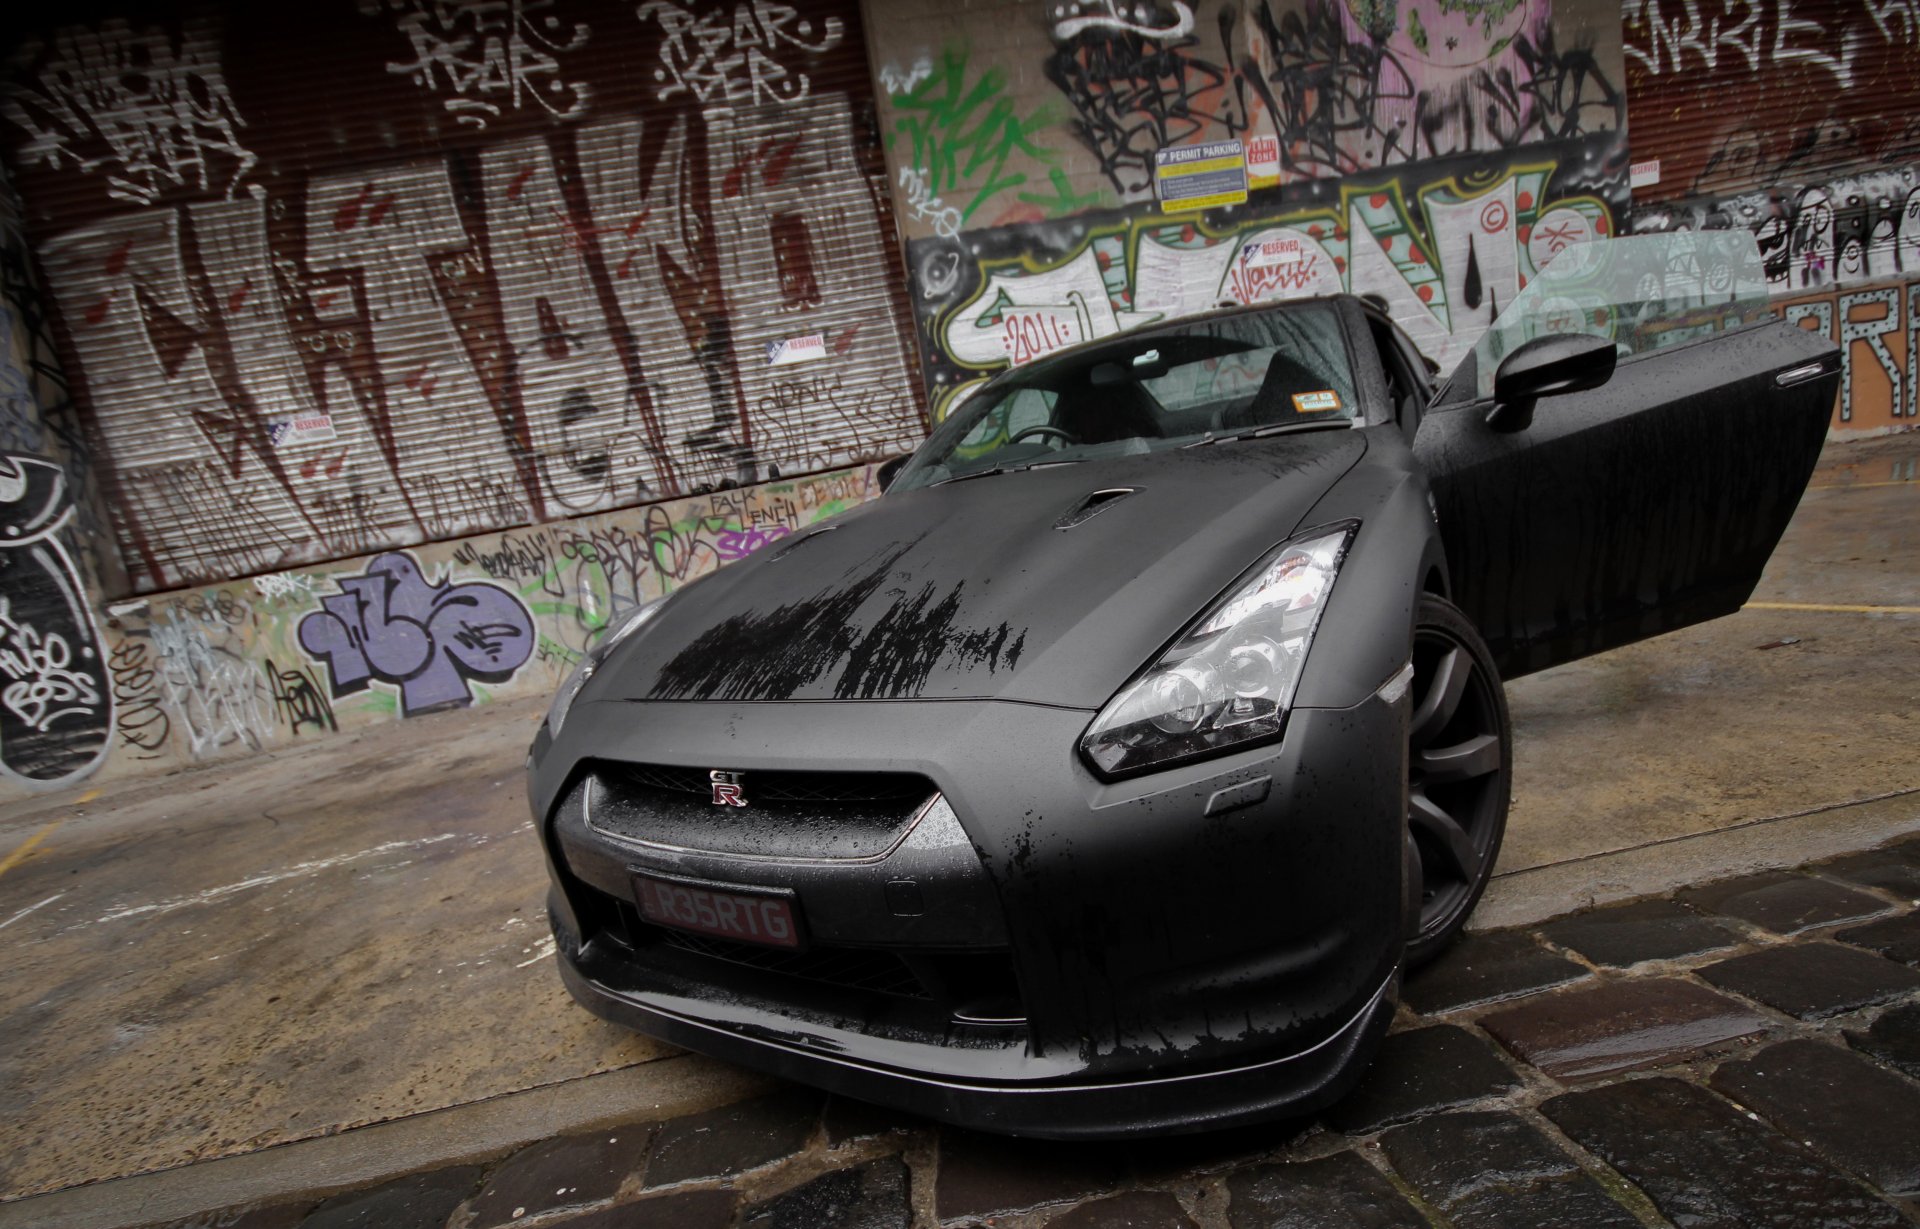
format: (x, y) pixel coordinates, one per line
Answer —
(1094, 504)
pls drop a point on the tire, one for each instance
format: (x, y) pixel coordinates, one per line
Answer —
(1459, 775)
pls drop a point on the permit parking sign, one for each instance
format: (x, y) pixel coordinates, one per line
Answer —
(1193, 177)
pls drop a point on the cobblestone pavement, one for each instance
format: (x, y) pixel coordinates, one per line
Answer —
(1745, 1053)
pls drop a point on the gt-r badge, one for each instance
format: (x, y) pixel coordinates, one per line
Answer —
(729, 788)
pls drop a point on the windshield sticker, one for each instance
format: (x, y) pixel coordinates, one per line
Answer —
(1314, 403)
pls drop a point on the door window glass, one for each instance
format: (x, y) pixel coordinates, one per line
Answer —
(1643, 292)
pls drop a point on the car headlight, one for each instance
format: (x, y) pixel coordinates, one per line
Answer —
(619, 628)
(1230, 676)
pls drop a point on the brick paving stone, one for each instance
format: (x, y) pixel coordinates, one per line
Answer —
(1887, 869)
(1812, 980)
(1706, 1165)
(678, 1210)
(986, 1175)
(1783, 902)
(568, 1172)
(1583, 1204)
(1341, 1191)
(732, 1139)
(1482, 968)
(419, 1201)
(1422, 1072)
(1133, 1210)
(1622, 935)
(1854, 1112)
(1493, 1171)
(280, 1216)
(1896, 938)
(870, 1196)
(1617, 1026)
(1892, 1038)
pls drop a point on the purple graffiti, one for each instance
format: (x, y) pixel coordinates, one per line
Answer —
(428, 639)
(739, 543)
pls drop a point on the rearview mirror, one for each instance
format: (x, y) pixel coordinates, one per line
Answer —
(1547, 367)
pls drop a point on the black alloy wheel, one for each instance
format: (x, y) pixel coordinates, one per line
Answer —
(1459, 777)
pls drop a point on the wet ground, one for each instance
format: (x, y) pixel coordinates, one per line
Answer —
(294, 947)
(1742, 1053)
(213, 962)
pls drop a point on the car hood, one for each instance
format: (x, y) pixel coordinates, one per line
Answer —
(974, 589)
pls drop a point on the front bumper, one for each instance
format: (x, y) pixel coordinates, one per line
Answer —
(1193, 948)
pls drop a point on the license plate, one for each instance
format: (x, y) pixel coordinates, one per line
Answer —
(747, 917)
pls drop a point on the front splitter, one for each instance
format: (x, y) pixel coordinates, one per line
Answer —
(1292, 1084)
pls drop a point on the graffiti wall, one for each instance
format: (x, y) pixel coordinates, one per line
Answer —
(1800, 121)
(1431, 152)
(1851, 229)
(1446, 250)
(1735, 96)
(1878, 331)
(235, 668)
(362, 276)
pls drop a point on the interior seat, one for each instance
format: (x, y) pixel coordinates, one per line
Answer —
(1274, 402)
(1122, 411)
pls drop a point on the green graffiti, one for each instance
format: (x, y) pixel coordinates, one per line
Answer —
(1417, 31)
(963, 130)
(1490, 12)
(1063, 199)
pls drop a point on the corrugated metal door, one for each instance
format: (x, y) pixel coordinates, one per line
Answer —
(358, 276)
(1797, 118)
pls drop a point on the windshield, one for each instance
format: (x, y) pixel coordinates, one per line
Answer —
(1641, 291)
(1215, 379)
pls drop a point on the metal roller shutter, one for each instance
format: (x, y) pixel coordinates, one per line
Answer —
(362, 275)
(1797, 118)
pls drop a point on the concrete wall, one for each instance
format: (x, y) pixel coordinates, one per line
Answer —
(232, 669)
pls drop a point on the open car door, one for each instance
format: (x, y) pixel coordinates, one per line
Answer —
(1621, 452)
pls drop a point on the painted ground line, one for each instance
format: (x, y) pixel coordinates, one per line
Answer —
(1858, 486)
(1831, 608)
(297, 870)
(26, 847)
(29, 909)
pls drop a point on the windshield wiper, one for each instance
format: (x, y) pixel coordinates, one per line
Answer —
(1272, 428)
(1004, 469)
(984, 473)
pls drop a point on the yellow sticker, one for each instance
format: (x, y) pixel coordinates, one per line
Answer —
(1314, 403)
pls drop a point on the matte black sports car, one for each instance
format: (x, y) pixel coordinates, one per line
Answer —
(1105, 775)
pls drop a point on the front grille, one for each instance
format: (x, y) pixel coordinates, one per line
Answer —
(854, 968)
(810, 815)
(898, 787)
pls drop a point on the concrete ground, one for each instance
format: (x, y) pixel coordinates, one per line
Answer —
(306, 944)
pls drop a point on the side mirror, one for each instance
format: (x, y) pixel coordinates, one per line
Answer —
(1547, 367)
(890, 469)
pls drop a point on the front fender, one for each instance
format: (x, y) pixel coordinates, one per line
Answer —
(1366, 633)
